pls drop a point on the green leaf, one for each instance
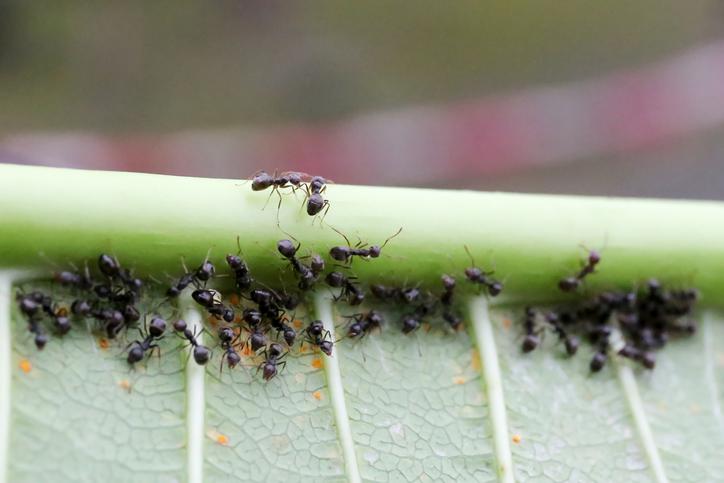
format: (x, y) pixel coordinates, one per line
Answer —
(430, 406)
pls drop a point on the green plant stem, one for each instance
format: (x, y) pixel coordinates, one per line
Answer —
(151, 221)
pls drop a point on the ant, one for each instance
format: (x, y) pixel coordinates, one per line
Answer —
(571, 342)
(227, 338)
(203, 273)
(600, 357)
(280, 325)
(111, 269)
(111, 319)
(273, 362)
(307, 276)
(346, 253)
(446, 299)
(156, 328)
(201, 353)
(263, 180)
(206, 298)
(352, 292)
(315, 201)
(480, 277)
(531, 340)
(30, 306)
(363, 324)
(646, 358)
(242, 276)
(257, 338)
(570, 284)
(81, 281)
(317, 335)
(388, 294)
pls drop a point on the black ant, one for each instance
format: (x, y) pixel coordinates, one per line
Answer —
(138, 350)
(280, 325)
(315, 201)
(242, 276)
(346, 253)
(30, 306)
(531, 340)
(263, 180)
(307, 276)
(571, 342)
(221, 311)
(600, 357)
(206, 298)
(389, 294)
(350, 291)
(203, 273)
(111, 269)
(201, 353)
(446, 300)
(570, 284)
(363, 324)
(257, 338)
(81, 281)
(480, 277)
(317, 335)
(273, 362)
(646, 358)
(227, 338)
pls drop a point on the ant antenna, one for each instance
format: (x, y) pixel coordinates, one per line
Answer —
(390, 238)
(342, 234)
(467, 250)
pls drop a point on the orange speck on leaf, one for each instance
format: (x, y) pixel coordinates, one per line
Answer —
(25, 366)
(247, 350)
(234, 299)
(507, 323)
(516, 438)
(317, 395)
(103, 343)
(297, 323)
(458, 380)
(125, 385)
(426, 327)
(475, 362)
(222, 439)
(317, 363)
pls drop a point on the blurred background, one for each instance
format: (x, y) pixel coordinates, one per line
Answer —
(613, 98)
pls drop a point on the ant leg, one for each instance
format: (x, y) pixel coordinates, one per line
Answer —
(274, 188)
(282, 365)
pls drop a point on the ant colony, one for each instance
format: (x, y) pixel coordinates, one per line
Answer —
(256, 326)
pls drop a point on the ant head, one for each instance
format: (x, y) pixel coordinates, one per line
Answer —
(473, 273)
(130, 313)
(494, 288)
(252, 317)
(594, 257)
(317, 182)
(261, 181)
(374, 251)
(269, 370)
(275, 350)
(157, 327)
(287, 248)
(355, 329)
(317, 264)
(232, 358)
(226, 334)
(336, 279)
(289, 335)
(448, 282)
(410, 295)
(375, 318)
(233, 261)
(357, 298)
(108, 265)
(530, 342)
(409, 323)
(315, 328)
(179, 325)
(293, 178)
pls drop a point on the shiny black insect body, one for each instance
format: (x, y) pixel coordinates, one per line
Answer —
(139, 348)
(227, 338)
(481, 277)
(305, 273)
(570, 284)
(362, 324)
(351, 292)
(571, 342)
(201, 353)
(273, 362)
(317, 335)
(315, 201)
(346, 253)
